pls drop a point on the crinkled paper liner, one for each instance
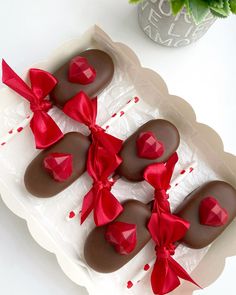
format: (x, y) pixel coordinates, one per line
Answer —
(46, 217)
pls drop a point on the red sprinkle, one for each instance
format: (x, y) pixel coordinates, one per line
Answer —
(113, 115)
(19, 129)
(182, 172)
(107, 126)
(122, 113)
(176, 184)
(10, 132)
(129, 284)
(129, 101)
(71, 214)
(136, 99)
(191, 169)
(28, 117)
(146, 267)
(3, 143)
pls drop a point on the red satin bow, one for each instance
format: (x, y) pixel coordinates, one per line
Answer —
(159, 176)
(45, 130)
(102, 161)
(83, 109)
(166, 229)
(100, 165)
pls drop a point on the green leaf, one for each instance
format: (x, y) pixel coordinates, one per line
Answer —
(134, 1)
(188, 7)
(224, 11)
(232, 4)
(176, 5)
(216, 3)
(199, 9)
(216, 14)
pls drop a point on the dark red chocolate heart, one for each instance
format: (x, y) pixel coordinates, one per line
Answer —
(123, 236)
(211, 213)
(148, 146)
(59, 165)
(80, 71)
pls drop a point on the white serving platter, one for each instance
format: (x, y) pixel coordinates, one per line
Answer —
(199, 141)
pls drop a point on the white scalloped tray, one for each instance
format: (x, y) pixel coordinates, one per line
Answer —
(153, 90)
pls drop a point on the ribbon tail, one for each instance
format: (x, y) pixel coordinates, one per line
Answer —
(107, 207)
(13, 81)
(170, 165)
(163, 279)
(181, 272)
(166, 276)
(87, 207)
(111, 142)
(45, 130)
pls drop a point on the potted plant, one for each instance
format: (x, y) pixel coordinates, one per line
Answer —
(177, 23)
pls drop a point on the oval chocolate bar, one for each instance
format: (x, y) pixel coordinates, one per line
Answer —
(209, 209)
(101, 255)
(154, 142)
(57, 167)
(95, 65)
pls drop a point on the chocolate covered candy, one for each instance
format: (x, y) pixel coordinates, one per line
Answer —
(154, 142)
(101, 255)
(91, 71)
(57, 167)
(209, 209)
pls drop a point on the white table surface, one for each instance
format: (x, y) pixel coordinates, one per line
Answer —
(204, 74)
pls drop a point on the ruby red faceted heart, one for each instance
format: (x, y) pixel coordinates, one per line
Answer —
(148, 146)
(211, 213)
(122, 236)
(80, 71)
(59, 165)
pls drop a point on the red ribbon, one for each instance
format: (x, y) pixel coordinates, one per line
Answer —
(45, 130)
(100, 165)
(102, 161)
(159, 176)
(83, 109)
(166, 229)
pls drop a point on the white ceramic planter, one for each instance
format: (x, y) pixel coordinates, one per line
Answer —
(158, 22)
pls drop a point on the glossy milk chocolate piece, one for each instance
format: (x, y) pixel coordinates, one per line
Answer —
(104, 67)
(40, 183)
(101, 255)
(133, 166)
(200, 235)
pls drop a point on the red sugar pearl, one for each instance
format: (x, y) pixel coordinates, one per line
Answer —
(146, 267)
(72, 214)
(129, 284)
